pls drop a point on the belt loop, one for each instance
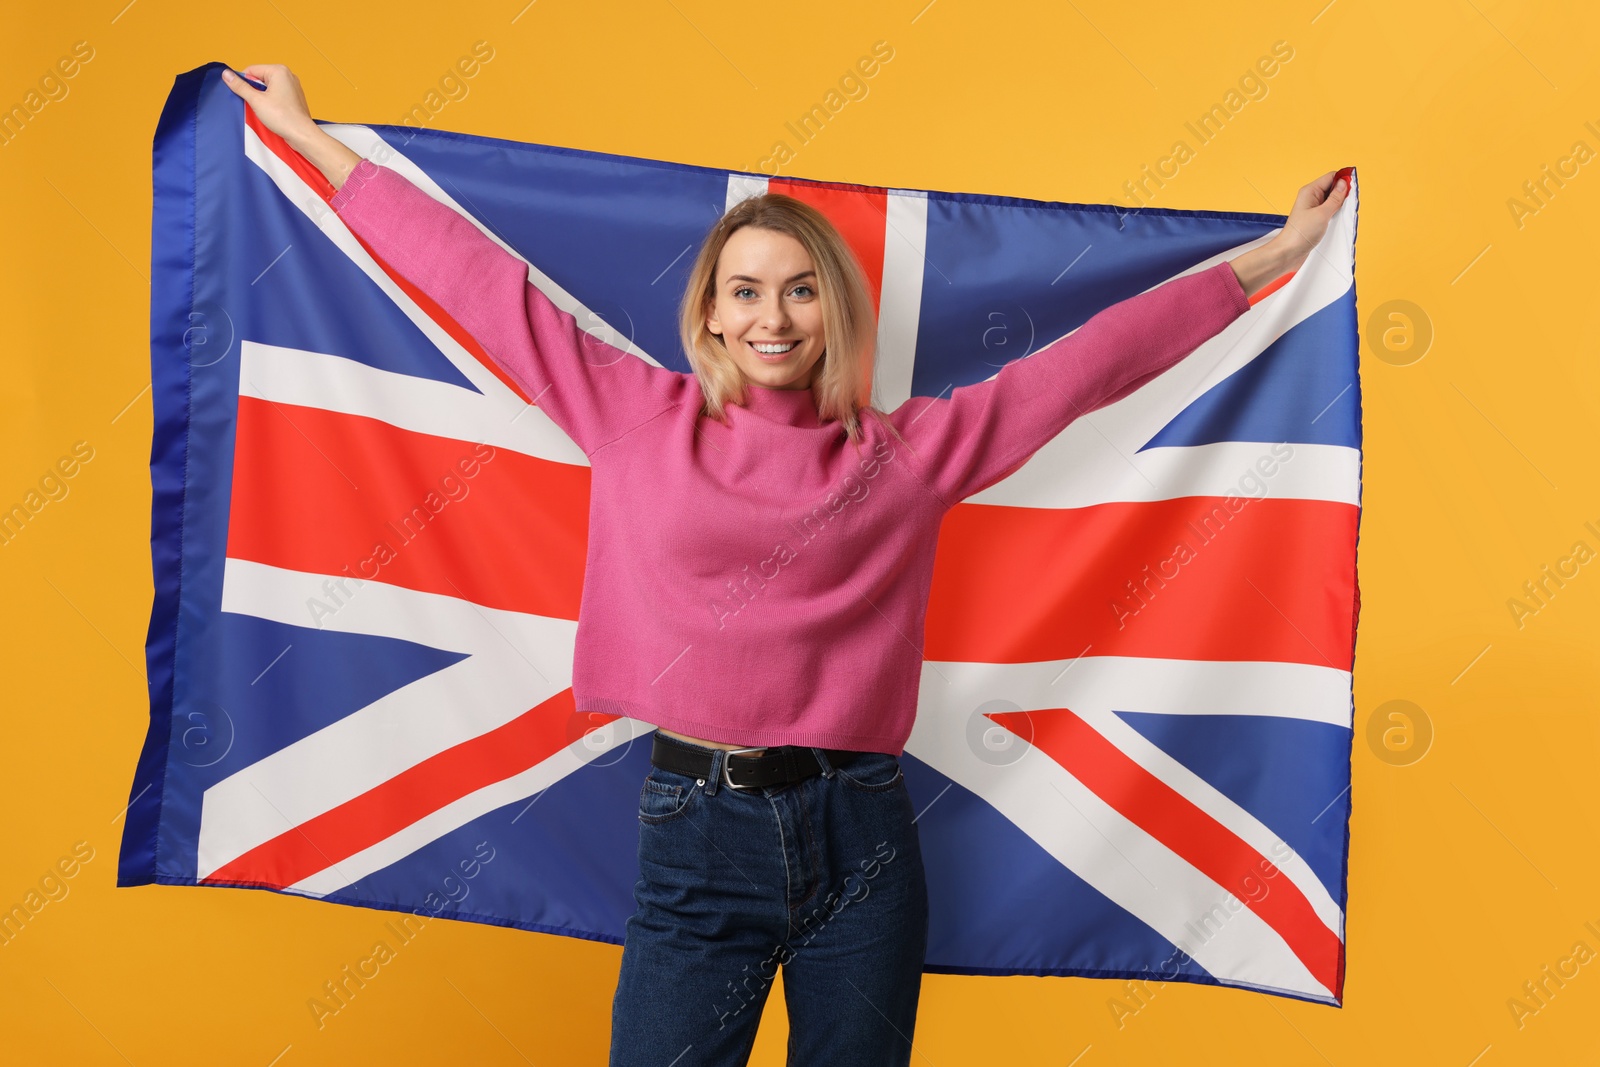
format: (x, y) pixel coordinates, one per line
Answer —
(824, 762)
(714, 777)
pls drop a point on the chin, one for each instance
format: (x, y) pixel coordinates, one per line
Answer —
(773, 379)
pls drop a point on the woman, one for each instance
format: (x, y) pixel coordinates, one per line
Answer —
(761, 548)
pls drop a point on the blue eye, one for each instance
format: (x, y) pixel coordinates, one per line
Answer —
(746, 289)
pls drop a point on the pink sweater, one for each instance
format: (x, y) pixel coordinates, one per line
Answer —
(764, 582)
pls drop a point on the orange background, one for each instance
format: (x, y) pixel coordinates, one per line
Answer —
(1473, 867)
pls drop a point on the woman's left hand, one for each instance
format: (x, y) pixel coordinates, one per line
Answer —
(1314, 208)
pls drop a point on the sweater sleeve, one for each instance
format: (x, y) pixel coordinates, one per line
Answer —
(985, 431)
(593, 391)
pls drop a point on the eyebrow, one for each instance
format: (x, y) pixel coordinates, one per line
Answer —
(747, 278)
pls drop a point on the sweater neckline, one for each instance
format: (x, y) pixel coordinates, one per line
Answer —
(787, 407)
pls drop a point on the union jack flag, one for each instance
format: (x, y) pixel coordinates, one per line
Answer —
(1132, 751)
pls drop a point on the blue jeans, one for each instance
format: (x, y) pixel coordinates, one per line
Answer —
(822, 877)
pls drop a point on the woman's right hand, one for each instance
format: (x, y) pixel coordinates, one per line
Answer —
(281, 106)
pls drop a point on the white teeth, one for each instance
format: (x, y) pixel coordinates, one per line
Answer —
(773, 350)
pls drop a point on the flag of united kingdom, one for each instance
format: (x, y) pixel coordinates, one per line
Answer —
(369, 550)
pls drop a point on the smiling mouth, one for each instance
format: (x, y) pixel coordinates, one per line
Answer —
(774, 356)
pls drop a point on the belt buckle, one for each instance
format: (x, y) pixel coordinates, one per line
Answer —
(733, 752)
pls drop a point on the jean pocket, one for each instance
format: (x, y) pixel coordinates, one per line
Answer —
(662, 800)
(872, 772)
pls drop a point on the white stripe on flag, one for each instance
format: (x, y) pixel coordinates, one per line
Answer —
(1226, 468)
(1097, 460)
(1172, 686)
(1096, 688)
(905, 248)
(743, 187)
(333, 383)
(600, 746)
(1108, 851)
(515, 662)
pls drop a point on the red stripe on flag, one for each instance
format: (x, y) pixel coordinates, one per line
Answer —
(1274, 580)
(303, 167)
(1271, 287)
(1169, 817)
(330, 493)
(376, 815)
(859, 214)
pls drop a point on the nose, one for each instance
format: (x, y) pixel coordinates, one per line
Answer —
(773, 315)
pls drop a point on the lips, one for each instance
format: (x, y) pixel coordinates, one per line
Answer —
(774, 357)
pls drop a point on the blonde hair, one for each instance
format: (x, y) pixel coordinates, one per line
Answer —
(841, 382)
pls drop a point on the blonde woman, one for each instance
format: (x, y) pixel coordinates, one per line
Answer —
(761, 548)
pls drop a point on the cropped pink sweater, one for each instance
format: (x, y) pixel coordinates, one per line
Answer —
(763, 582)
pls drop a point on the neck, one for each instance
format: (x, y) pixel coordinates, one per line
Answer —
(790, 406)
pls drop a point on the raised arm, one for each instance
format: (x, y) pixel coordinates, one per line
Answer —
(983, 432)
(593, 391)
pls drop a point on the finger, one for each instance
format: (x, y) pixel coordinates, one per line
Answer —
(1341, 187)
(1329, 187)
(1323, 187)
(1336, 198)
(236, 83)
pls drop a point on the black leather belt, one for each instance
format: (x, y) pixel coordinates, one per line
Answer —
(777, 765)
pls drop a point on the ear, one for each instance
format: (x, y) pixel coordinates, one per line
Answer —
(713, 323)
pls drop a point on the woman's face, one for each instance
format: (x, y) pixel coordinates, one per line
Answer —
(767, 296)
